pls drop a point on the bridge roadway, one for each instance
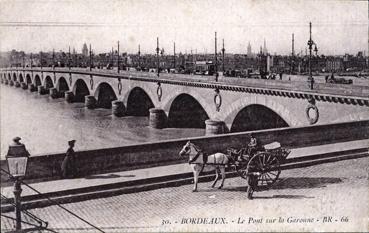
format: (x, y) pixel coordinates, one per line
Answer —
(177, 100)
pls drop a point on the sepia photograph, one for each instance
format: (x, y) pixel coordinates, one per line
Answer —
(184, 116)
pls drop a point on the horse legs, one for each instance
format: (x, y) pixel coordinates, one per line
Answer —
(195, 179)
(216, 178)
(222, 170)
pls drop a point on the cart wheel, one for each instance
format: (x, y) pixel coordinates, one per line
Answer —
(266, 166)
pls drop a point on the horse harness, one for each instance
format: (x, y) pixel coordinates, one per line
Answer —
(204, 158)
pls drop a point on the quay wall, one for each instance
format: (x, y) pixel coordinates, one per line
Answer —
(89, 162)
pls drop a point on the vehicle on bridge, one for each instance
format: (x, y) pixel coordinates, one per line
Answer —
(332, 79)
(260, 166)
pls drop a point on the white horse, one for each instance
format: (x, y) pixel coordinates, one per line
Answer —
(200, 162)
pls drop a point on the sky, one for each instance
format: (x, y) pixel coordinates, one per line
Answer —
(338, 26)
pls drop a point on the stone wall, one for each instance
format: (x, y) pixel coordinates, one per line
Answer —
(166, 152)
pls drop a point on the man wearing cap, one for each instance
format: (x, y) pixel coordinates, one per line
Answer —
(68, 167)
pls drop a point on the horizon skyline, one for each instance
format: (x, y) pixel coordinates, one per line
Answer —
(338, 27)
(189, 53)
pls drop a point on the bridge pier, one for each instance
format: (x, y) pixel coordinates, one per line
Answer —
(41, 90)
(17, 84)
(90, 101)
(54, 93)
(32, 87)
(214, 127)
(11, 83)
(158, 118)
(24, 86)
(69, 96)
(6, 82)
(118, 108)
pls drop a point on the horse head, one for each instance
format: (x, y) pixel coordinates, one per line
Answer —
(186, 149)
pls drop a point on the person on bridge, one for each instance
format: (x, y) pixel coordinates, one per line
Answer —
(68, 167)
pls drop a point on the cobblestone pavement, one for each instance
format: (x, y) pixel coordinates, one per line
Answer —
(338, 190)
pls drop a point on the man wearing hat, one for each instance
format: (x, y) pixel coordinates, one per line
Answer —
(17, 148)
(68, 167)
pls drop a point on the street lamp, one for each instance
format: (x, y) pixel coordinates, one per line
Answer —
(118, 59)
(216, 59)
(17, 159)
(53, 59)
(223, 51)
(91, 58)
(310, 44)
(157, 55)
(69, 58)
(139, 57)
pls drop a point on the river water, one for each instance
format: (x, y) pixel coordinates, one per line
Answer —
(45, 125)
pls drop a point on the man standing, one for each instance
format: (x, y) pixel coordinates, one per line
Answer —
(252, 146)
(68, 167)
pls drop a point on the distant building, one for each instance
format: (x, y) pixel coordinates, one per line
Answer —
(85, 50)
(334, 64)
(265, 50)
(249, 51)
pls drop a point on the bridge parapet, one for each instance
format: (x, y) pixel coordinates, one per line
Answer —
(159, 153)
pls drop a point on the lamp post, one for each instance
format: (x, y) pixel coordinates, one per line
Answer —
(139, 57)
(216, 59)
(17, 159)
(223, 51)
(41, 60)
(118, 58)
(174, 53)
(157, 55)
(310, 44)
(69, 58)
(53, 59)
(90, 58)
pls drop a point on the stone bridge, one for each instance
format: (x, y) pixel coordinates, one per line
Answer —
(176, 100)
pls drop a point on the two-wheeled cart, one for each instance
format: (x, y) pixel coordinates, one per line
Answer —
(262, 168)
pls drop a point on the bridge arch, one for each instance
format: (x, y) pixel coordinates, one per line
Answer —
(138, 102)
(186, 112)
(256, 117)
(28, 78)
(62, 85)
(276, 107)
(9, 76)
(104, 95)
(21, 78)
(48, 82)
(14, 77)
(37, 80)
(80, 90)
